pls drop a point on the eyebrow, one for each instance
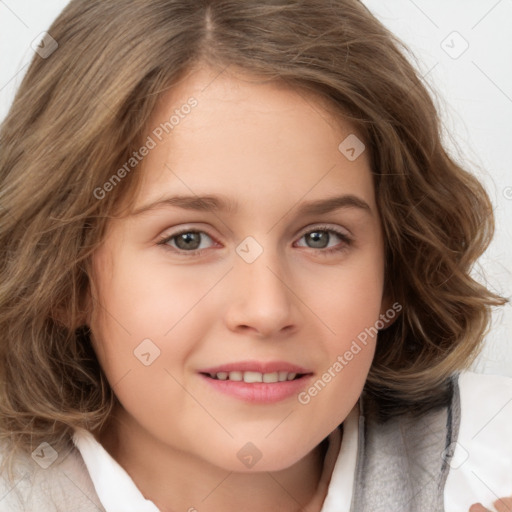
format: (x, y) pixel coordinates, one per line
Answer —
(211, 203)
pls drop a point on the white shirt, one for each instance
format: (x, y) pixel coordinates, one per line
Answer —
(481, 469)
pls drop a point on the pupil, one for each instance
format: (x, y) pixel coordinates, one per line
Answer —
(316, 237)
(188, 240)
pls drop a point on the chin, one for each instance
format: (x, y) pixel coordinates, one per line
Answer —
(250, 457)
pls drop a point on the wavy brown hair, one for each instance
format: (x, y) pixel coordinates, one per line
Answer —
(81, 112)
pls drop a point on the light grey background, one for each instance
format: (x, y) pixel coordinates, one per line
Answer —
(475, 98)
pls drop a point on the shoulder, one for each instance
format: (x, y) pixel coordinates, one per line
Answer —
(46, 480)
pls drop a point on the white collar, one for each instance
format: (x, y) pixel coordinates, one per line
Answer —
(117, 492)
(115, 489)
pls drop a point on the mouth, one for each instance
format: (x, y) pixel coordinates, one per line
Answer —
(253, 377)
(257, 382)
(256, 371)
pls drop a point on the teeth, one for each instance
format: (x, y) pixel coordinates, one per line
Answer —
(251, 377)
(271, 377)
(283, 376)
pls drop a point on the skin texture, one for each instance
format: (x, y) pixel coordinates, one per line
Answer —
(270, 149)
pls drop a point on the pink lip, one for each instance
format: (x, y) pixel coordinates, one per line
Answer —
(259, 392)
(256, 366)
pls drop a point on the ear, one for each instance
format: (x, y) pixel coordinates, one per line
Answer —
(389, 310)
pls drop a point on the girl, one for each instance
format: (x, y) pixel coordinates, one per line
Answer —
(236, 271)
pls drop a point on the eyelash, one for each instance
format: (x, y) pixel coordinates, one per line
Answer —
(347, 241)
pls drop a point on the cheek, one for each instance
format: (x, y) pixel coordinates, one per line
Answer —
(349, 309)
(350, 300)
(147, 299)
(140, 301)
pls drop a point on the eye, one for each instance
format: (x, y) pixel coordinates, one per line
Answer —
(186, 241)
(320, 236)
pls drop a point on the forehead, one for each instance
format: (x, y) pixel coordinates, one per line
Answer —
(251, 136)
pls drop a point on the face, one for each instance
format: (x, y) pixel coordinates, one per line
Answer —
(268, 285)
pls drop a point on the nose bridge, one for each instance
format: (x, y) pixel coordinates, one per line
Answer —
(261, 297)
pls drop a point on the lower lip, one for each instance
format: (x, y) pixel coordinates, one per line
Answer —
(259, 392)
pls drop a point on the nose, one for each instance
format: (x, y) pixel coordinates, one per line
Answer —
(261, 298)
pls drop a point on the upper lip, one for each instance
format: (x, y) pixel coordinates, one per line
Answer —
(256, 366)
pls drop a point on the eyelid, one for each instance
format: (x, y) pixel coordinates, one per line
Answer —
(325, 227)
(312, 227)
